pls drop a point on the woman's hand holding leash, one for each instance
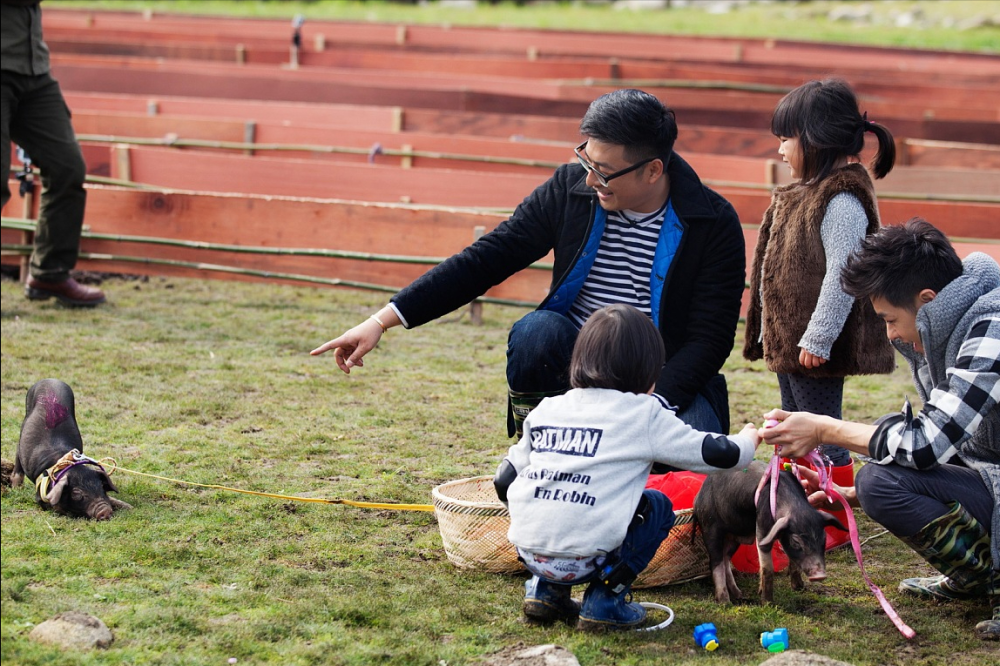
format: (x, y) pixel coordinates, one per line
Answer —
(817, 497)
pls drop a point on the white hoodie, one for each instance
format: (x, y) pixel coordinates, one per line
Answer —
(583, 462)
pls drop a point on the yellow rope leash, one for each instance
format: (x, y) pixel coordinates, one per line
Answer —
(318, 500)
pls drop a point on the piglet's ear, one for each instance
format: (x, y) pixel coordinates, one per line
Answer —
(832, 521)
(109, 485)
(56, 491)
(779, 524)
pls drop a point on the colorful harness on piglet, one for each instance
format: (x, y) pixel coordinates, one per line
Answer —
(45, 480)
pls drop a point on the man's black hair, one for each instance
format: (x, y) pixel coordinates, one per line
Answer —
(899, 262)
(634, 119)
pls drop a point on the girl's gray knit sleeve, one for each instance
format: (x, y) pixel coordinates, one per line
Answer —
(844, 226)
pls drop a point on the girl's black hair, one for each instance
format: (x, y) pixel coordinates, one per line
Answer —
(634, 119)
(824, 115)
(899, 262)
(618, 348)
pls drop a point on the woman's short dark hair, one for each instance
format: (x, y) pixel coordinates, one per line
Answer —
(634, 119)
(618, 348)
(825, 117)
(898, 262)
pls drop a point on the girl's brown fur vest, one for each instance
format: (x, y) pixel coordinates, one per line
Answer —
(788, 269)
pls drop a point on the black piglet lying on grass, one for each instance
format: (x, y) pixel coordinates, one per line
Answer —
(49, 434)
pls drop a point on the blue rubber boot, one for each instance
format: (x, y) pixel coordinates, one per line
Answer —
(604, 609)
(546, 602)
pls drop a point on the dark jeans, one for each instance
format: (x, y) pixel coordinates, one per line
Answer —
(34, 115)
(539, 348)
(904, 500)
(644, 537)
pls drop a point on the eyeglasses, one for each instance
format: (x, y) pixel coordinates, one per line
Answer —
(602, 178)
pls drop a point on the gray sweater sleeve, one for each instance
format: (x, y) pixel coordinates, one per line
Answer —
(844, 226)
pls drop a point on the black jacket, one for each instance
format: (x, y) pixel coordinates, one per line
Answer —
(701, 298)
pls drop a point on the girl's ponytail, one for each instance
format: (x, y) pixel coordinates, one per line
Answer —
(825, 117)
(885, 158)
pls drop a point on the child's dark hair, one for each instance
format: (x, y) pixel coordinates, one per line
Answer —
(634, 119)
(824, 115)
(899, 262)
(618, 348)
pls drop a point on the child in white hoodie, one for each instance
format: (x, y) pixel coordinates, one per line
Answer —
(575, 481)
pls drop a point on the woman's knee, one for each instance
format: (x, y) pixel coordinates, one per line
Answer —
(876, 487)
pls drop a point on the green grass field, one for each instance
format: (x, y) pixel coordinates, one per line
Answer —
(211, 382)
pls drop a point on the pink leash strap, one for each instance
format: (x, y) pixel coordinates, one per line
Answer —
(772, 471)
(886, 606)
(827, 486)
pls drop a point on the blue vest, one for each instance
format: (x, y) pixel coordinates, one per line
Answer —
(667, 245)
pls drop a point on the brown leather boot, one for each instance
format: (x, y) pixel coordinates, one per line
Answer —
(69, 292)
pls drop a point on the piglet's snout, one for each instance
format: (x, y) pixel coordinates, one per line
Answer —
(101, 510)
(814, 571)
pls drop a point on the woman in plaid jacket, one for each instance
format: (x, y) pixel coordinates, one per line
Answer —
(936, 481)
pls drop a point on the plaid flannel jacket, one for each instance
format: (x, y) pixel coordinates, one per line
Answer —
(953, 410)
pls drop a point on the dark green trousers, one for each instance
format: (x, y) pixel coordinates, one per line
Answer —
(34, 115)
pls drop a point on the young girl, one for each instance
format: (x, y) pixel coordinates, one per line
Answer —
(800, 321)
(575, 481)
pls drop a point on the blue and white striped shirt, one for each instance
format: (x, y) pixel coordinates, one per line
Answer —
(623, 264)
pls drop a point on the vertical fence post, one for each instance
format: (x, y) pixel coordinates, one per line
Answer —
(249, 135)
(771, 172)
(476, 307)
(121, 162)
(903, 156)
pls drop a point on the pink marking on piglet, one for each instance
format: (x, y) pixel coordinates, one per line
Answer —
(55, 412)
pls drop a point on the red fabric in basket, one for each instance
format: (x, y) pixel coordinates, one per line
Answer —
(681, 488)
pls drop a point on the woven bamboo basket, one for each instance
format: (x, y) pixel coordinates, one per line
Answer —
(474, 527)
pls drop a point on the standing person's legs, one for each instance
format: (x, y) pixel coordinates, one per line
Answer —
(816, 395)
(822, 395)
(8, 107)
(43, 128)
(41, 125)
(539, 349)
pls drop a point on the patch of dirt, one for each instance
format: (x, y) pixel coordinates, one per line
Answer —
(7, 468)
(802, 658)
(533, 655)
